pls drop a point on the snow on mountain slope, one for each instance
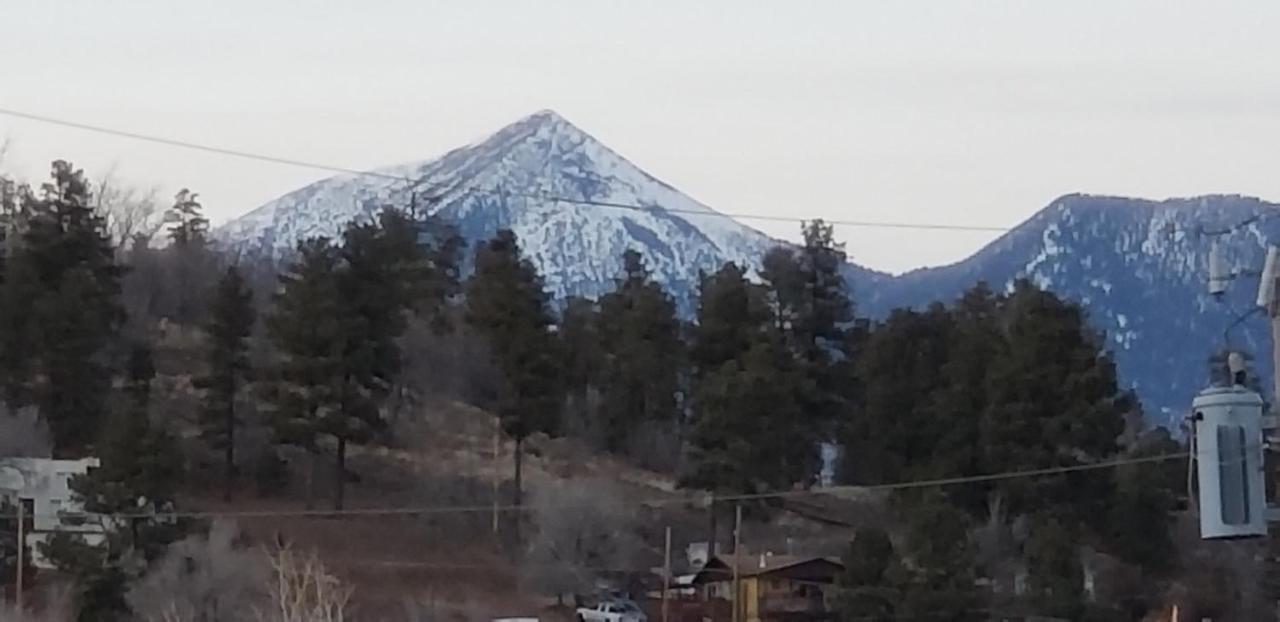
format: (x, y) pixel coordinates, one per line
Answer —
(512, 180)
(1136, 265)
(1139, 269)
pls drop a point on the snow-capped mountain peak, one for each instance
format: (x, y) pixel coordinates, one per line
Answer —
(1135, 265)
(575, 205)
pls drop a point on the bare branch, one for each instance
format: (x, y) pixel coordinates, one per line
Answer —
(304, 590)
(132, 213)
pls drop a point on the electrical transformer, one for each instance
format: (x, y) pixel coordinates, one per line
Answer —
(1229, 457)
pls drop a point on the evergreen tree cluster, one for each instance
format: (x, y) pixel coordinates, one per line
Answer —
(772, 366)
(335, 323)
(1007, 383)
(78, 346)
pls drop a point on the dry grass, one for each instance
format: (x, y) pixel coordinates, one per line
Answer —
(450, 566)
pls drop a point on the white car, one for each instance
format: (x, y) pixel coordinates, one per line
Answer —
(612, 611)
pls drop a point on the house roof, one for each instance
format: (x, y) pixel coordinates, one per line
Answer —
(817, 569)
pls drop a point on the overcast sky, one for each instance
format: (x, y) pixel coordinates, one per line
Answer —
(973, 113)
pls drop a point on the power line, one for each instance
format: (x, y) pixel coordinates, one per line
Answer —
(681, 500)
(195, 146)
(184, 144)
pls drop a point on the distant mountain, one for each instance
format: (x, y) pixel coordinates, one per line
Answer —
(510, 181)
(1138, 266)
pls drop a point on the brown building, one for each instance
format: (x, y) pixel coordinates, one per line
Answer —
(772, 587)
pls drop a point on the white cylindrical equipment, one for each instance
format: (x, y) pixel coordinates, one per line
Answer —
(1229, 457)
(1267, 280)
(1219, 275)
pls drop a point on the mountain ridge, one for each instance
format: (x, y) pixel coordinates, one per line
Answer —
(1136, 265)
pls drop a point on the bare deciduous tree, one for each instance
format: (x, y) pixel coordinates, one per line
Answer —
(132, 214)
(204, 578)
(303, 590)
(56, 602)
(587, 530)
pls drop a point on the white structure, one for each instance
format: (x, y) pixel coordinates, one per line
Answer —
(42, 486)
(1229, 455)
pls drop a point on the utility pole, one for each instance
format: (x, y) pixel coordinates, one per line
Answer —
(666, 574)
(737, 580)
(1269, 293)
(713, 542)
(497, 448)
(22, 549)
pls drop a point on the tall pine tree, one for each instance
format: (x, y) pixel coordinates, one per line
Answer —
(869, 587)
(306, 326)
(640, 339)
(815, 313)
(187, 224)
(60, 310)
(386, 273)
(581, 362)
(1052, 401)
(231, 320)
(750, 432)
(337, 323)
(507, 304)
(191, 261)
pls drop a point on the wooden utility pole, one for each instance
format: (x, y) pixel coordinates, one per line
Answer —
(666, 575)
(497, 449)
(737, 580)
(22, 550)
(713, 542)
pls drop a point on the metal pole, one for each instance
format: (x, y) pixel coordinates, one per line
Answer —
(666, 575)
(1273, 313)
(22, 549)
(737, 580)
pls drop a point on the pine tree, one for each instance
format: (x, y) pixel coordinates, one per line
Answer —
(141, 465)
(896, 433)
(306, 326)
(61, 309)
(386, 273)
(507, 304)
(187, 224)
(1141, 513)
(731, 315)
(337, 323)
(750, 432)
(869, 588)
(138, 476)
(231, 320)
(1052, 400)
(192, 261)
(972, 344)
(579, 336)
(1055, 574)
(942, 558)
(640, 339)
(101, 583)
(816, 314)
(814, 308)
(581, 362)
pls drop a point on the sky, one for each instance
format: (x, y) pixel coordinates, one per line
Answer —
(946, 112)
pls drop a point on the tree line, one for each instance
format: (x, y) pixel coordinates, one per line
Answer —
(738, 399)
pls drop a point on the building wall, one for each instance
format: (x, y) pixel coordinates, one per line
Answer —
(751, 598)
(47, 484)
